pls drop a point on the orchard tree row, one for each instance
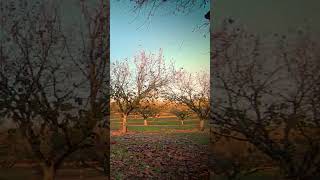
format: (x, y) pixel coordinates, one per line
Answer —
(137, 85)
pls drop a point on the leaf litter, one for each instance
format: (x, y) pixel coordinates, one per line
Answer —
(158, 156)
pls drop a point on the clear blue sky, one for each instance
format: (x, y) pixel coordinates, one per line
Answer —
(177, 35)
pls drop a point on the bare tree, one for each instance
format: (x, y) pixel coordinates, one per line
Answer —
(92, 58)
(41, 84)
(145, 80)
(267, 95)
(181, 114)
(147, 109)
(192, 90)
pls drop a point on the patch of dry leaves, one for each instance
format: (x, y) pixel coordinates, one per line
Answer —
(157, 156)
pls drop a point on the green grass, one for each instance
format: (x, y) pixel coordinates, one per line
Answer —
(159, 128)
(159, 124)
(140, 120)
(155, 128)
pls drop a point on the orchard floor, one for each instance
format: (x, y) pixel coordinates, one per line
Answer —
(169, 154)
(178, 154)
(28, 173)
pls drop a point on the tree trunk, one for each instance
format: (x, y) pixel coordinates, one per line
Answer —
(201, 125)
(124, 124)
(182, 122)
(80, 170)
(49, 172)
(145, 122)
